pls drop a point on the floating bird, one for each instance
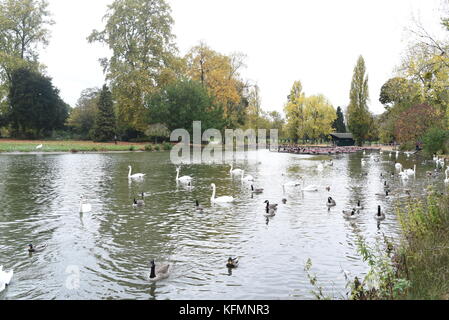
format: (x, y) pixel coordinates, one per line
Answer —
(159, 273)
(331, 202)
(328, 188)
(138, 203)
(198, 207)
(135, 176)
(184, 179)
(271, 206)
(411, 172)
(39, 146)
(224, 199)
(380, 215)
(246, 178)
(232, 263)
(235, 171)
(5, 278)
(270, 212)
(359, 206)
(350, 214)
(256, 190)
(284, 201)
(38, 248)
(85, 206)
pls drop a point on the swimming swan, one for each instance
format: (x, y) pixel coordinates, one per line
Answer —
(224, 199)
(235, 171)
(135, 176)
(84, 206)
(184, 179)
(5, 278)
(247, 178)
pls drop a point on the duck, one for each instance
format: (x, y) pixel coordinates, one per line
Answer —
(5, 278)
(184, 179)
(38, 248)
(159, 273)
(84, 206)
(136, 175)
(331, 202)
(198, 207)
(380, 215)
(232, 263)
(350, 214)
(224, 199)
(359, 206)
(271, 206)
(256, 190)
(246, 178)
(235, 171)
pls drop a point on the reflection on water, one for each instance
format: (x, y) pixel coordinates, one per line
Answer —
(110, 247)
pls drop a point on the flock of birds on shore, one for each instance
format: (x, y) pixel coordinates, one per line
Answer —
(163, 271)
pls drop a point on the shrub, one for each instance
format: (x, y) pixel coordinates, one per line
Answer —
(148, 147)
(157, 147)
(132, 148)
(167, 146)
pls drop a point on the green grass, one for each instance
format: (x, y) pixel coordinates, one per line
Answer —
(68, 146)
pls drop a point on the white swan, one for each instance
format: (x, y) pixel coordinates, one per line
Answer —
(247, 178)
(5, 278)
(39, 146)
(85, 206)
(184, 179)
(311, 188)
(136, 175)
(398, 166)
(363, 162)
(224, 199)
(235, 171)
(411, 172)
(320, 167)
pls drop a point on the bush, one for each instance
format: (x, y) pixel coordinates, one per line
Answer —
(148, 147)
(435, 140)
(157, 147)
(407, 146)
(132, 148)
(167, 146)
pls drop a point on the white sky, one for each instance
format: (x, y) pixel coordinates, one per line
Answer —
(317, 42)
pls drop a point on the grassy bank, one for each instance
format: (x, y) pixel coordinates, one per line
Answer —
(7, 145)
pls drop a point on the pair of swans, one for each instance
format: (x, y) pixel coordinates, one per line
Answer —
(5, 278)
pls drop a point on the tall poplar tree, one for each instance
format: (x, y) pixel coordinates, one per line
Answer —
(339, 123)
(358, 115)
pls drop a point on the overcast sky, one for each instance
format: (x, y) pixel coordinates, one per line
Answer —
(317, 42)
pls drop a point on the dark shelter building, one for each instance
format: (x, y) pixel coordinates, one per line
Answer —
(342, 139)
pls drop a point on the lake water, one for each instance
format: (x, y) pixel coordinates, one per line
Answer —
(109, 249)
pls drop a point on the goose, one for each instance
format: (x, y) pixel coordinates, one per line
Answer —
(380, 215)
(284, 201)
(39, 147)
(184, 179)
(385, 195)
(224, 199)
(136, 175)
(411, 172)
(37, 248)
(235, 171)
(84, 206)
(5, 278)
(270, 212)
(331, 202)
(138, 203)
(232, 263)
(159, 273)
(256, 190)
(246, 178)
(359, 206)
(271, 206)
(350, 214)
(386, 185)
(198, 207)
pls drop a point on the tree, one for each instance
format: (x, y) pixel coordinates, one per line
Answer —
(183, 102)
(23, 28)
(138, 32)
(219, 74)
(294, 110)
(358, 114)
(104, 128)
(82, 117)
(414, 122)
(35, 106)
(339, 124)
(319, 115)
